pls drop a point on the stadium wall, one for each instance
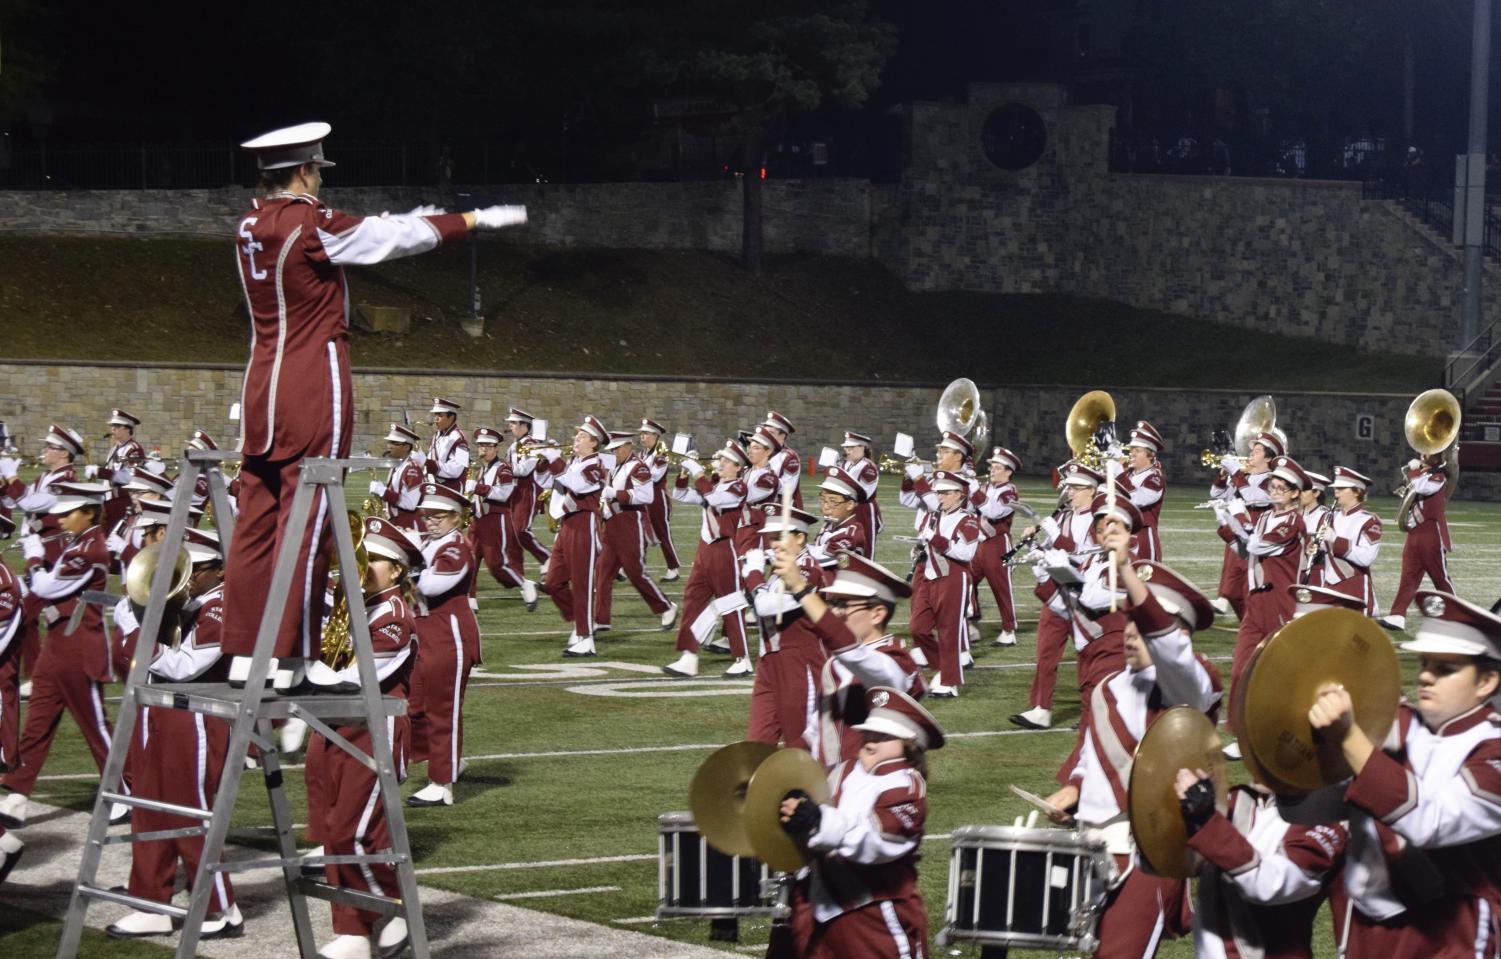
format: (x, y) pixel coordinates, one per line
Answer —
(1364, 431)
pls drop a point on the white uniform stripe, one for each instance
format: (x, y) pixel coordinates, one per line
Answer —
(359, 835)
(894, 926)
(458, 705)
(200, 736)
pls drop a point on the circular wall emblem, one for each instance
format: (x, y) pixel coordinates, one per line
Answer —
(1014, 136)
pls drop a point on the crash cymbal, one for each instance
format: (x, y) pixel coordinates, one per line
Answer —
(1180, 738)
(789, 769)
(717, 795)
(1328, 646)
(1237, 722)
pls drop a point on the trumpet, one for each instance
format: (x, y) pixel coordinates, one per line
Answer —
(895, 464)
(531, 447)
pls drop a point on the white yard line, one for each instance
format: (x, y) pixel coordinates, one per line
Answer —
(536, 864)
(553, 893)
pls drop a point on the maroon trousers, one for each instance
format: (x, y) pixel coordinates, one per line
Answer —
(60, 683)
(990, 567)
(715, 574)
(1149, 544)
(351, 820)
(1096, 662)
(866, 514)
(570, 572)
(491, 538)
(659, 514)
(1140, 913)
(1266, 611)
(1233, 580)
(624, 548)
(1422, 552)
(447, 650)
(176, 757)
(887, 929)
(938, 625)
(1052, 637)
(784, 699)
(523, 507)
(10, 704)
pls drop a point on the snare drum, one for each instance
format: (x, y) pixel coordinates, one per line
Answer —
(695, 879)
(1025, 888)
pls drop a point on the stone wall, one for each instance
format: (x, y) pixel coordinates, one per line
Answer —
(173, 400)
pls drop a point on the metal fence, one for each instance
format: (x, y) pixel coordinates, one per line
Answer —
(1218, 153)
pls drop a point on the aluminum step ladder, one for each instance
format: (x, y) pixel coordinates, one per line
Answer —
(251, 711)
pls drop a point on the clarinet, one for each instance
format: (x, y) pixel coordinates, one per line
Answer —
(1318, 555)
(1030, 540)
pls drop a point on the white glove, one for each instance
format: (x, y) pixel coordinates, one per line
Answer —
(1414, 463)
(1328, 535)
(91, 471)
(1222, 513)
(8, 467)
(377, 488)
(426, 209)
(469, 486)
(1231, 464)
(913, 470)
(420, 457)
(768, 603)
(498, 217)
(551, 453)
(157, 467)
(694, 468)
(31, 546)
(125, 617)
(755, 559)
(115, 543)
(121, 477)
(1055, 558)
(1040, 569)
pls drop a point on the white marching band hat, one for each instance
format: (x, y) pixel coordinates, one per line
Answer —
(290, 146)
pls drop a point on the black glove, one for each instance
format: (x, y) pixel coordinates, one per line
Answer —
(804, 819)
(1198, 805)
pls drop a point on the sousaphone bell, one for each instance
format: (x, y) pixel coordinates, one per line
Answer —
(138, 576)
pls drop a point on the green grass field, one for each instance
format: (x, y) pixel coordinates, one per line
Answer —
(573, 760)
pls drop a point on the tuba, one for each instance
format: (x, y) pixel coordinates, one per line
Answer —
(959, 408)
(1431, 426)
(1091, 427)
(337, 648)
(1259, 416)
(138, 576)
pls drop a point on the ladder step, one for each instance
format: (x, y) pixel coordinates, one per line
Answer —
(156, 805)
(134, 902)
(317, 889)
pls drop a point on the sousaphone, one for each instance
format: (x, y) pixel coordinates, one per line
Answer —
(1431, 426)
(1090, 426)
(959, 408)
(1180, 738)
(138, 576)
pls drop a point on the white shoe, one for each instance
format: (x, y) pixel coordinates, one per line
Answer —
(252, 763)
(602, 627)
(670, 617)
(580, 646)
(10, 854)
(474, 604)
(239, 671)
(529, 595)
(740, 667)
(670, 575)
(719, 645)
(1232, 751)
(119, 814)
(1006, 638)
(293, 735)
(1397, 623)
(433, 794)
(1221, 605)
(25, 691)
(943, 692)
(137, 925)
(1034, 718)
(346, 947)
(393, 939)
(301, 677)
(918, 656)
(226, 925)
(13, 811)
(542, 570)
(685, 665)
(966, 658)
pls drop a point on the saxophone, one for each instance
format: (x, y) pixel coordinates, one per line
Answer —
(337, 646)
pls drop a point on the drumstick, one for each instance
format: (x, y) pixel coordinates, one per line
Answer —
(785, 539)
(1037, 800)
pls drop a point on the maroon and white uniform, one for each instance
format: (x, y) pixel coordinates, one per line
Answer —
(344, 807)
(1313, 518)
(116, 470)
(1098, 634)
(72, 669)
(448, 648)
(12, 593)
(1069, 531)
(623, 505)
(1273, 543)
(762, 486)
(784, 698)
(713, 591)
(447, 459)
(997, 512)
(850, 669)
(848, 534)
(859, 897)
(916, 493)
(659, 510)
(1349, 557)
(939, 625)
(1425, 841)
(1146, 489)
(178, 757)
(297, 399)
(401, 492)
(1427, 544)
(1142, 908)
(1262, 881)
(1250, 490)
(577, 485)
(530, 482)
(490, 533)
(787, 467)
(868, 512)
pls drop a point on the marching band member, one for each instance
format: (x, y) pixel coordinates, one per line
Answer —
(72, 669)
(344, 801)
(577, 488)
(402, 488)
(530, 482)
(791, 654)
(859, 898)
(1261, 878)
(1348, 543)
(713, 591)
(200, 440)
(1070, 530)
(1425, 806)
(490, 533)
(1147, 485)
(939, 626)
(950, 455)
(12, 592)
(1245, 482)
(762, 485)
(125, 453)
(839, 497)
(659, 510)
(297, 400)
(852, 616)
(862, 468)
(1312, 502)
(448, 644)
(785, 462)
(447, 460)
(124, 540)
(1161, 670)
(1427, 542)
(627, 494)
(179, 756)
(996, 515)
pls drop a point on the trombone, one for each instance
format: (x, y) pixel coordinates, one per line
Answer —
(895, 464)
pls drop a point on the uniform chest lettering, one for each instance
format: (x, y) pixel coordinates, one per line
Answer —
(251, 247)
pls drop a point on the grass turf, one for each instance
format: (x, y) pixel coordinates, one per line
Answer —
(652, 312)
(522, 805)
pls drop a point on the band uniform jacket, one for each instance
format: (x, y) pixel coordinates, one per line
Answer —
(1273, 550)
(494, 485)
(1350, 556)
(847, 534)
(291, 251)
(116, 468)
(865, 472)
(448, 458)
(34, 499)
(403, 491)
(1431, 503)
(82, 565)
(1145, 488)
(762, 485)
(721, 502)
(1313, 517)
(787, 466)
(951, 541)
(996, 511)
(576, 485)
(629, 489)
(852, 668)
